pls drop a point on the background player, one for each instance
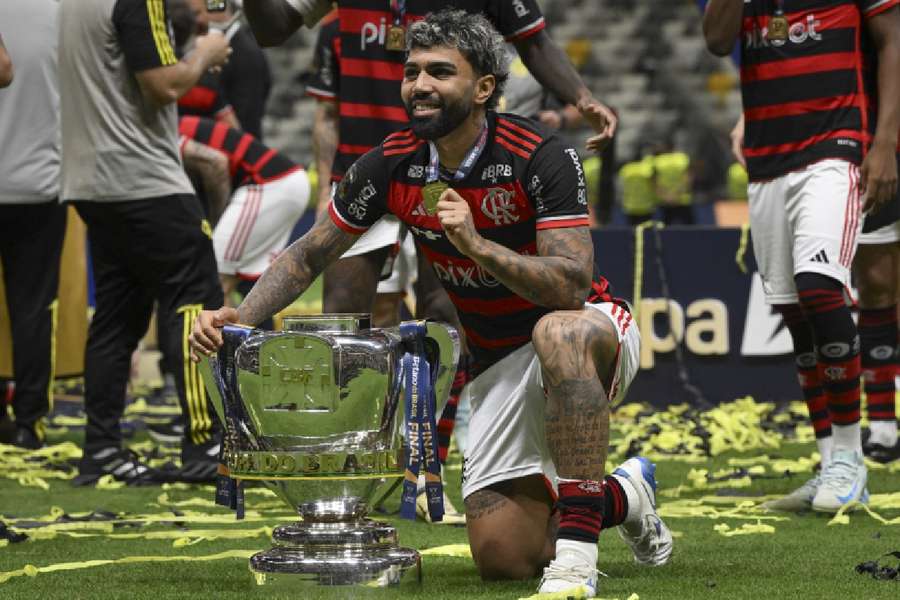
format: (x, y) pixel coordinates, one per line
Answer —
(808, 167)
(253, 222)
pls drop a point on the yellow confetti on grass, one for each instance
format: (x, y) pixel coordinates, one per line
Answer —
(843, 517)
(454, 550)
(744, 529)
(33, 571)
(691, 508)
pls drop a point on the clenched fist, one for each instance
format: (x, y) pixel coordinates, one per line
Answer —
(456, 219)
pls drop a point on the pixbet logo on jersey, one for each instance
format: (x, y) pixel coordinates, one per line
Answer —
(372, 33)
(799, 32)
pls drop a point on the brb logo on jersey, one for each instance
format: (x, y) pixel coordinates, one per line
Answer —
(798, 33)
(499, 207)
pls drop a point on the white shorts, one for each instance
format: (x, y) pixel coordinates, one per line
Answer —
(257, 223)
(806, 221)
(506, 428)
(385, 232)
(405, 269)
(888, 234)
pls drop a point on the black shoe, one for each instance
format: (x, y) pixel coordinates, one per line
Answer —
(882, 454)
(171, 432)
(123, 464)
(25, 437)
(200, 462)
(167, 395)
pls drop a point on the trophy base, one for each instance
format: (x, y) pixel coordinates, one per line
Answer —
(368, 568)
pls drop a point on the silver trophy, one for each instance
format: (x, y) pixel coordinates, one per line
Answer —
(315, 413)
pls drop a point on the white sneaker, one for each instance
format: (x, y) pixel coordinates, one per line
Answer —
(649, 538)
(799, 499)
(843, 481)
(568, 576)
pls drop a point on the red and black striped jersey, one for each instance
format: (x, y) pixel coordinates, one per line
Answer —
(324, 71)
(205, 99)
(524, 181)
(805, 97)
(367, 77)
(249, 160)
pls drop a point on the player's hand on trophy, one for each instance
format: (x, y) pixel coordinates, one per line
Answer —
(214, 48)
(206, 336)
(602, 119)
(456, 219)
(878, 175)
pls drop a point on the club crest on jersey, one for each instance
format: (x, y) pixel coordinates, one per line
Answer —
(499, 207)
(590, 487)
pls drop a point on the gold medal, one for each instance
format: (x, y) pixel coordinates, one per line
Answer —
(431, 193)
(778, 29)
(396, 38)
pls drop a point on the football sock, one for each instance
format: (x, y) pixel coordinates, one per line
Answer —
(837, 346)
(878, 349)
(581, 505)
(620, 502)
(809, 374)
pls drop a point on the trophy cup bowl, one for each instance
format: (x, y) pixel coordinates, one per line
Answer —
(314, 412)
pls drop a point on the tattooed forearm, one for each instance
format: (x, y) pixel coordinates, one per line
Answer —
(294, 270)
(559, 277)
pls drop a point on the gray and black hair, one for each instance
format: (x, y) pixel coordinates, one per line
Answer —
(475, 38)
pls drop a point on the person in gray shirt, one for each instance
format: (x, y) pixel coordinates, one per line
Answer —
(32, 222)
(121, 169)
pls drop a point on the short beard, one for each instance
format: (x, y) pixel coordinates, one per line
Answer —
(449, 118)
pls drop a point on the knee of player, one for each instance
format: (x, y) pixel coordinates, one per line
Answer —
(551, 332)
(558, 334)
(504, 557)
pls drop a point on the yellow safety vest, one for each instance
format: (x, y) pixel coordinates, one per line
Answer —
(638, 192)
(592, 166)
(672, 175)
(737, 182)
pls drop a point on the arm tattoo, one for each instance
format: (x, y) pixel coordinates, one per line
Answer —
(294, 270)
(325, 143)
(559, 277)
(212, 167)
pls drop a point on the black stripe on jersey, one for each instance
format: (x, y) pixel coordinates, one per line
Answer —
(775, 165)
(363, 89)
(509, 236)
(801, 87)
(796, 128)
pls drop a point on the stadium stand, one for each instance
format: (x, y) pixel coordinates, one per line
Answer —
(661, 90)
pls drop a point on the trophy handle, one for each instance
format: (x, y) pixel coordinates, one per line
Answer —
(446, 340)
(218, 372)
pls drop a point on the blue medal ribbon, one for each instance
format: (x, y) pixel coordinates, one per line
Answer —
(229, 491)
(421, 424)
(432, 171)
(398, 10)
